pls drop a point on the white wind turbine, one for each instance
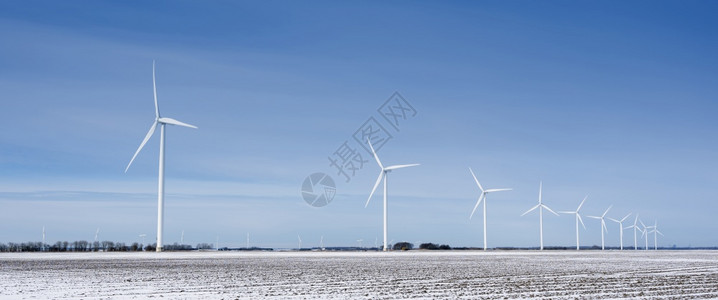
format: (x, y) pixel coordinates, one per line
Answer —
(635, 228)
(143, 239)
(97, 233)
(540, 206)
(655, 232)
(603, 225)
(620, 227)
(483, 197)
(645, 233)
(43, 239)
(300, 242)
(578, 219)
(383, 174)
(161, 121)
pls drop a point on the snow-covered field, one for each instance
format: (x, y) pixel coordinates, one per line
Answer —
(414, 274)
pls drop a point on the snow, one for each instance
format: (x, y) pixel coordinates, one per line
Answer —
(363, 275)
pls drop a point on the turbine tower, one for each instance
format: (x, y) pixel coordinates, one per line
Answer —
(620, 227)
(635, 228)
(603, 225)
(161, 121)
(383, 174)
(43, 239)
(483, 197)
(540, 206)
(578, 219)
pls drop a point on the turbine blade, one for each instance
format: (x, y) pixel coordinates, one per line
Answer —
(579, 206)
(477, 204)
(614, 220)
(378, 180)
(477, 181)
(626, 217)
(546, 207)
(659, 232)
(603, 223)
(147, 137)
(635, 221)
(154, 89)
(581, 220)
(594, 217)
(540, 188)
(497, 190)
(566, 212)
(528, 211)
(175, 122)
(607, 209)
(374, 152)
(394, 167)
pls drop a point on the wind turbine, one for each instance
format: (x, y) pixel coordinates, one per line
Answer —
(483, 197)
(578, 219)
(540, 206)
(97, 233)
(655, 235)
(161, 121)
(300, 242)
(603, 225)
(43, 239)
(321, 243)
(620, 227)
(247, 240)
(635, 227)
(383, 174)
(182, 238)
(645, 233)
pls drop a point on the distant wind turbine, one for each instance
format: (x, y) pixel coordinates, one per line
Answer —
(620, 227)
(645, 233)
(655, 235)
(161, 121)
(603, 225)
(97, 233)
(182, 238)
(143, 238)
(635, 228)
(483, 197)
(300, 242)
(541, 207)
(43, 238)
(384, 174)
(321, 243)
(578, 219)
(247, 240)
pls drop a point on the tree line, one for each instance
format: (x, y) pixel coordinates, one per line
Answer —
(85, 246)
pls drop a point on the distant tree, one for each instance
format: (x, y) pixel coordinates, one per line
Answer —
(429, 246)
(151, 247)
(204, 246)
(134, 246)
(444, 247)
(107, 245)
(403, 246)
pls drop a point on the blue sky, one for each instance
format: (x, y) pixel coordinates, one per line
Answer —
(616, 100)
